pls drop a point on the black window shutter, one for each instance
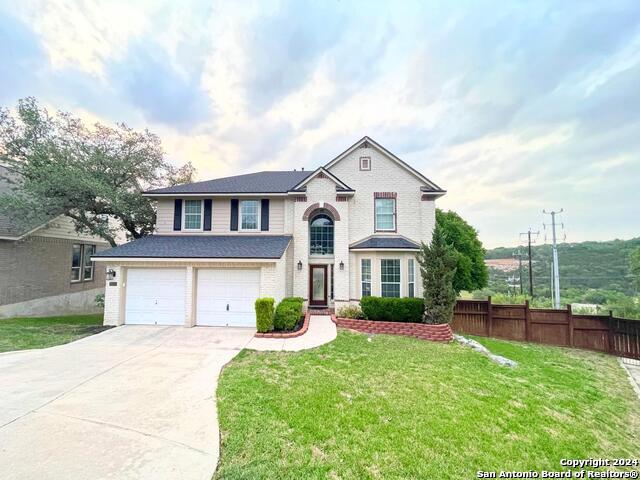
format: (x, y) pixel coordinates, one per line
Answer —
(177, 214)
(264, 215)
(207, 214)
(234, 215)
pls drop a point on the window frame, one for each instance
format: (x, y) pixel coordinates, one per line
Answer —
(411, 277)
(258, 215)
(333, 234)
(362, 280)
(83, 247)
(91, 265)
(394, 214)
(184, 215)
(368, 160)
(80, 266)
(399, 282)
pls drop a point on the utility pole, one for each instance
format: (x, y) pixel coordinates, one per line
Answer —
(529, 233)
(518, 255)
(556, 269)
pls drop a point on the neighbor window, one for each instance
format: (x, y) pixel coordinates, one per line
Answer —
(321, 235)
(390, 278)
(89, 250)
(81, 265)
(411, 277)
(193, 214)
(249, 214)
(365, 275)
(365, 163)
(385, 214)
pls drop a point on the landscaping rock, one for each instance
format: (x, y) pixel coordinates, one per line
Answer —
(478, 347)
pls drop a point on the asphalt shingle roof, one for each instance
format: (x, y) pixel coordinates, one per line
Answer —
(260, 182)
(385, 242)
(200, 246)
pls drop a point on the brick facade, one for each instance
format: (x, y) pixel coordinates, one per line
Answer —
(436, 333)
(39, 267)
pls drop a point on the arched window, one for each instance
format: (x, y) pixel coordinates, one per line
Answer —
(321, 235)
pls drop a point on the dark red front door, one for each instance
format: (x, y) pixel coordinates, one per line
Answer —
(318, 285)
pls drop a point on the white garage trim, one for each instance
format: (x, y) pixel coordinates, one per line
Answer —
(226, 297)
(155, 296)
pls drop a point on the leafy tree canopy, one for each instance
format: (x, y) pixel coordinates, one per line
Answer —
(471, 272)
(634, 265)
(61, 167)
(438, 268)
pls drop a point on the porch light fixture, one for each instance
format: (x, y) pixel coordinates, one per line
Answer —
(299, 264)
(111, 274)
(341, 265)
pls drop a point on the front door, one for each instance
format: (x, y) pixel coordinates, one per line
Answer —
(318, 285)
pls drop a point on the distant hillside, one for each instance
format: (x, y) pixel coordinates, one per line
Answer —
(602, 265)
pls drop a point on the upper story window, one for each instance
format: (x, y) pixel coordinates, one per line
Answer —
(249, 215)
(321, 235)
(193, 215)
(390, 277)
(365, 163)
(385, 214)
(81, 265)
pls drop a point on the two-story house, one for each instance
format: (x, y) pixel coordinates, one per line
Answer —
(348, 229)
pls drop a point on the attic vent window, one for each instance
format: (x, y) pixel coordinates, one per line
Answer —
(365, 163)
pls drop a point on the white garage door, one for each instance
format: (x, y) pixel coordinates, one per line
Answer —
(155, 296)
(226, 297)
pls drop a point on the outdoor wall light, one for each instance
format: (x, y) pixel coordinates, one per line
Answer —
(111, 274)
(299, 264)
(341, 265)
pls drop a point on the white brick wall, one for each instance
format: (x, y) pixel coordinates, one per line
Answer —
(385, 176)
(112, 298)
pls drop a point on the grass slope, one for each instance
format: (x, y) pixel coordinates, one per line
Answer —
(398, 407)
(24, 333)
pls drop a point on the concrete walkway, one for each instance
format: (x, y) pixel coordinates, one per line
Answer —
(321, 330)
(135, 402)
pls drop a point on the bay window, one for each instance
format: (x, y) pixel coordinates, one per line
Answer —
(365, 277)
(390, 277)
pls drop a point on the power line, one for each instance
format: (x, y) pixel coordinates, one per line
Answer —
(529, 241)
(556, 270)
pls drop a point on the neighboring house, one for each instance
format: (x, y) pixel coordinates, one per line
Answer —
(332, 235)
(46, 269)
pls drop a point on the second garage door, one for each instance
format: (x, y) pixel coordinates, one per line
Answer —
(226, 297)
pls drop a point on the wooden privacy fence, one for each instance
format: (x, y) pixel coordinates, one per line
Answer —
(603, 333)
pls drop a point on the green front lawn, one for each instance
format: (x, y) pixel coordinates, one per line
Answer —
(23, 333)
(397, 407)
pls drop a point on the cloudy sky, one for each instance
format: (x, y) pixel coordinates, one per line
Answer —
(510, 106)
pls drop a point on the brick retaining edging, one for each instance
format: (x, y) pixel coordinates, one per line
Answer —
(436, 333)
(297, 333)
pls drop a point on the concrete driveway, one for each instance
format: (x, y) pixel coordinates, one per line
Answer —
(132, 402)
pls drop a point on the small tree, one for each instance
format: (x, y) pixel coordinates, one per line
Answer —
(471, 271)
(438, 268)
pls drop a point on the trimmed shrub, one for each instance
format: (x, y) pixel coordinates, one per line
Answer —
(350, 311)
(288, 312)
(264, 314)
(388, 309)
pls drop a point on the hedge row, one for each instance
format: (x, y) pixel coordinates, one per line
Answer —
(393, 309)
(288, 313)
(264, 314)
